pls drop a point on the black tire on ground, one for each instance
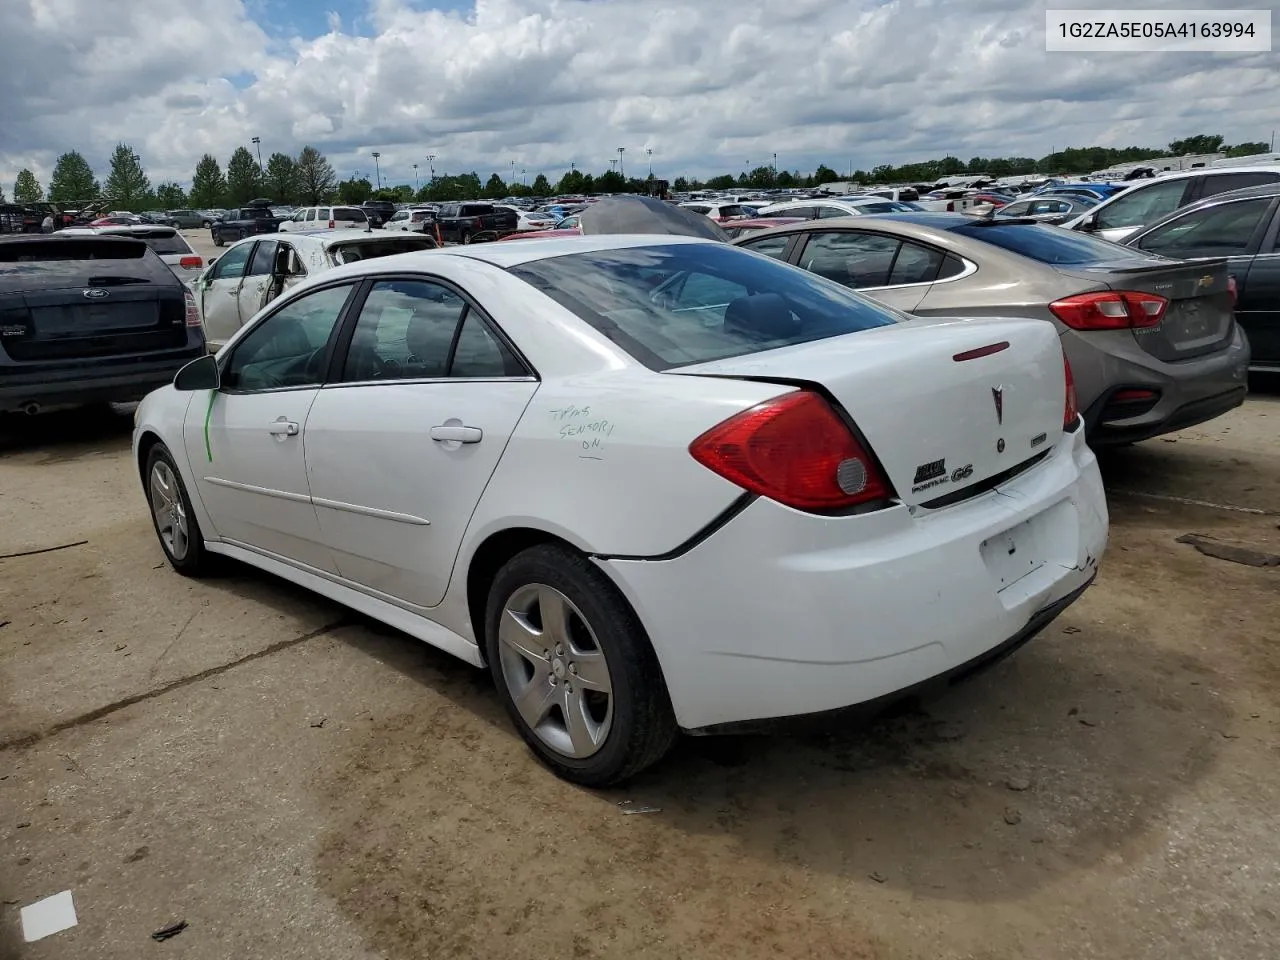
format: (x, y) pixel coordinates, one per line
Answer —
(217, 238)
(196, 561)
(643, 727)
(466, 236)
(242, 235)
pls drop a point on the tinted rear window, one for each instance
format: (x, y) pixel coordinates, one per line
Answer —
(66, 248)
(349, 216)
(383, 247)
(169, 243)
(670, 306)
(1046, 244)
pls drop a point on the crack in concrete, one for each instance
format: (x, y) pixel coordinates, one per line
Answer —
(31, 737)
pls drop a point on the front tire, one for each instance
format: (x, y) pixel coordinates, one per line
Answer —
(217, 239)
(466, 236)
(575, 669)
(171, 514)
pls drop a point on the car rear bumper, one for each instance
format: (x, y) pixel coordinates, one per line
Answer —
(115, 384)
(1188, 392)
(783, 614)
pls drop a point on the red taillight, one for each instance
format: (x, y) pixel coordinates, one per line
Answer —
(332, 223)
(191, 263)
(793, 449)
(1070, 409)
(193, 313)
(1113, 310)
(1233, 291)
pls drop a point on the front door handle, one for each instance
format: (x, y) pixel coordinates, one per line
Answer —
(283, 428)
(456, 433)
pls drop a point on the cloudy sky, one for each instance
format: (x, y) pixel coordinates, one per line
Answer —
(708, 85)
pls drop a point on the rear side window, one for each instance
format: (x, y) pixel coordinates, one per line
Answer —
(1143, 204)
(476, 210)
(1223, 182)
(674, 305)
(1044, 243)
(775, 246)
(349, 215)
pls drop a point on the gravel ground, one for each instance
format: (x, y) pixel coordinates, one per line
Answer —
(294, 781)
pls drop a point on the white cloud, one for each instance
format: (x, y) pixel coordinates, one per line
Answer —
(709, 86)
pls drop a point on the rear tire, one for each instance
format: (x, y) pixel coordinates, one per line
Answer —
(175, 522)
(619, 719)
(217, 239)
(466, 236)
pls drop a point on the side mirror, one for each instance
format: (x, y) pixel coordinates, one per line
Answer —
(199, 374)
(1090, 223)
(211, 261)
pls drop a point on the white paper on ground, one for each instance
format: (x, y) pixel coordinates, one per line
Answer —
(48, 916)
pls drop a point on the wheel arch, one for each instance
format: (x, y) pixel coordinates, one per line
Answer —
(146, 443)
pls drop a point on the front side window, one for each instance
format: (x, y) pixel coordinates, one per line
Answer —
(287, 349)
(849, 258)
(1221, 230)
(311, 215)
(1019, 209)
(1143, 205)
(674, 305)
(230, 265)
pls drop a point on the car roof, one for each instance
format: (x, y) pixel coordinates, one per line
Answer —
(922, 225)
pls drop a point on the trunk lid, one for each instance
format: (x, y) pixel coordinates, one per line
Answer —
(943, 428)
(1199, 318)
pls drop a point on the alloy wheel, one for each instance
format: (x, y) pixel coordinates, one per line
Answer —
(168, 511)
(555, 671)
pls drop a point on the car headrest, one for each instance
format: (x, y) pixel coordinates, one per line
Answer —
(762, 315)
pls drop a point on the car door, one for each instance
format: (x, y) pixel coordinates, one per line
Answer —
(401, 444)
(1258, 307)
(245, 443)
(1140, 206)
(257, 279)
(220, 294)
(864, 261)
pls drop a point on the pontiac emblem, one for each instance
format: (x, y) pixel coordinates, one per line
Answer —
(997, 395)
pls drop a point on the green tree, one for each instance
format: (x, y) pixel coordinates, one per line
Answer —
(208, 185)
(170, 196)
(281, 183)
(824, 174)
(786, 178)
(72, 180)
(760, 177)
(541, 186)
(723, 182)
(26, 189)
(244, 178)
(1239, 150)
(681, 185)
(354, 191)
(495, 188)
(2, 200)
(400, 193)
(570, 183)
(1200, 143)
(127, 185)
(611, 182)
(316, 176)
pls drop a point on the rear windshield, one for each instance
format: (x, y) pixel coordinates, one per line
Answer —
(66, 248)
(349, 215)
(354, 250)
(889, 206)
(476, 209)
(669, 306)
(1045, 243)
(165, 243)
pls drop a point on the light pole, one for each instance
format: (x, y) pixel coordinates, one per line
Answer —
(257, 142)
(613, 164)
(775, 168)
(621, 170)
(431, 164)
(513, 171)
(415, 178)
(377, 169)
(649, 151)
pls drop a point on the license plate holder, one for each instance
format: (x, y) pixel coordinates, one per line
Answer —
(1015, 553)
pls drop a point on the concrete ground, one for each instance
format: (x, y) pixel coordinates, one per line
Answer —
(296, 782)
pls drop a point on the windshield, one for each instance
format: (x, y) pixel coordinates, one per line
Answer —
(1045, 243)
(354, 250)
(674, 305)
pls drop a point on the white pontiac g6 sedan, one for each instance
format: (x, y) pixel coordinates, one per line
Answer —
(653, 484)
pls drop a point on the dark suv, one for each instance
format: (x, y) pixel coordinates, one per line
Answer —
(378, 211)
(243, 222)
(89, 319)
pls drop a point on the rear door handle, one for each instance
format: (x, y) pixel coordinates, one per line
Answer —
(458, 434)
(283, 428)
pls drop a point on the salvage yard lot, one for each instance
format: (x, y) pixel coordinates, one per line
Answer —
(295, 781)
